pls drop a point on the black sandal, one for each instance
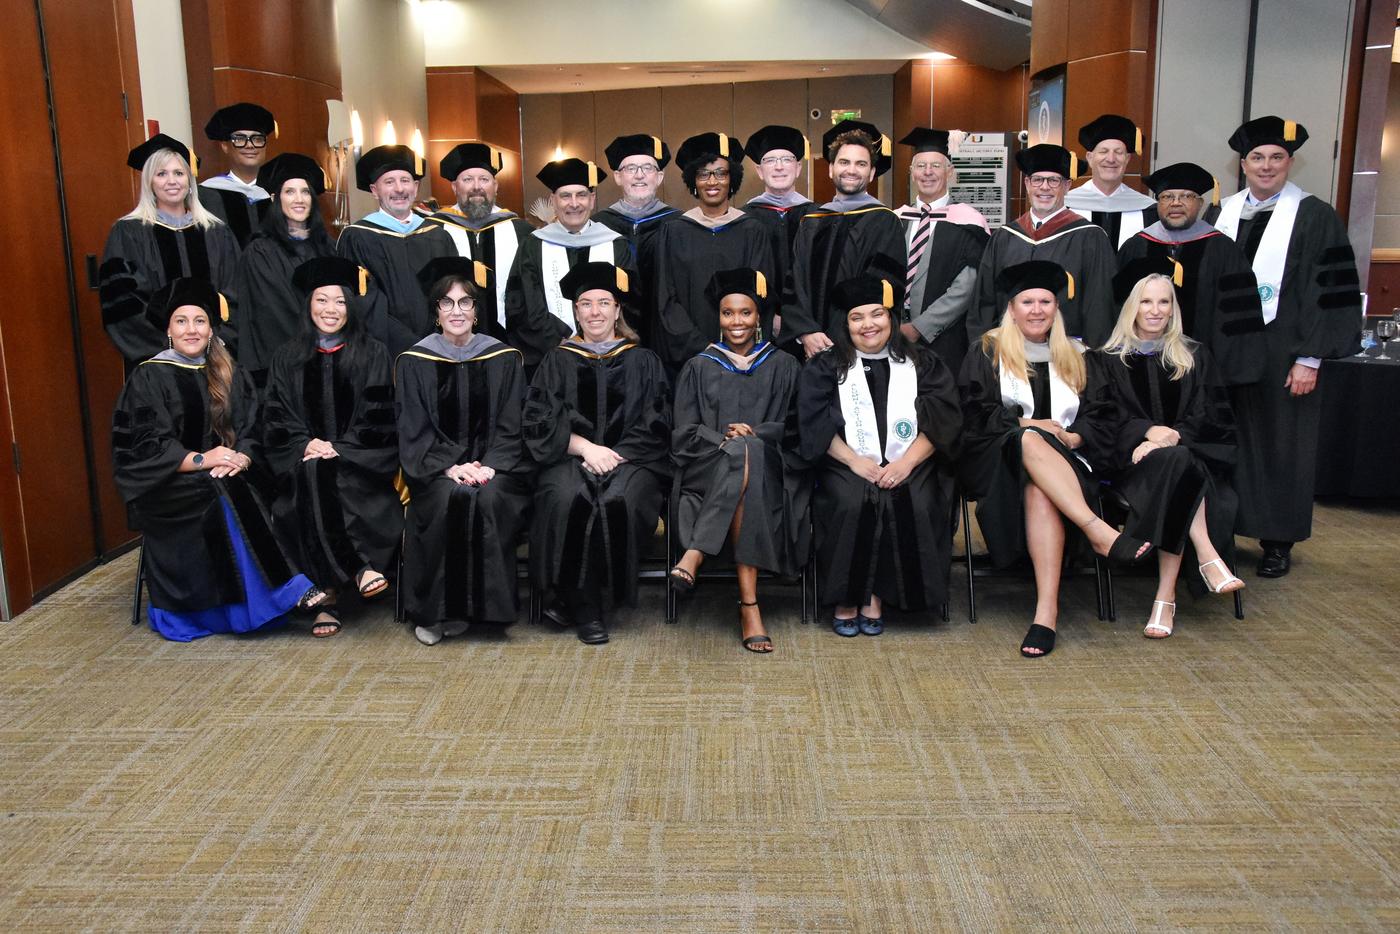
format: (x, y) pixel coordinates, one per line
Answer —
(751, 642)
(1038, 637)
(312, 599)
(333, 623)
(682, 580)
(1125, 549)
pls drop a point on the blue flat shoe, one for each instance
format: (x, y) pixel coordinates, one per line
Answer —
(871, 627)
(845, 627)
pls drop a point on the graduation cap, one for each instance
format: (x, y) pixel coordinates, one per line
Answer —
(1134, 271)
(585, 277)
(924, 139)
(775, 136)
(1183, 176)
(881, 284)
(381, 159)
(330, 270)
(880, 143)
(1047, 157)
(1268, 131)
(461, 267)
(556, 175)
(748, 282)
(1035, 274)
(637, 144)
(697, 147)
(241, 116)
(280, 169)
(138, 157)
(186, 291)
(1111, 126)
(470, 156)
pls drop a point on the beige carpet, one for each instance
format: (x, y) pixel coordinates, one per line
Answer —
(1238, 775)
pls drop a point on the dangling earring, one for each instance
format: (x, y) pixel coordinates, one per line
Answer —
(170, 342)
(758, 335)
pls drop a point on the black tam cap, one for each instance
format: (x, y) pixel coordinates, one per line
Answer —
(775, 136)
(1181, 176)
(1134, 271)
(1047, 157)
(881, 284)
(136, 159)
(1111, 126)
(440, 267)
(637, 144)
(470, 156)
(883, 150)
(586, 277)
(719, 144)
(177, 292)
(556, 175)
(1035, 274)
(748, 282)
(1268, 131)
(383, 159)
(240, 116)
(280, 169)
(330, 270)
(925, 140)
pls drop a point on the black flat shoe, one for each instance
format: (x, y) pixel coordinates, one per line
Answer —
(1275, 563)
(592, 632)
(1038, 637)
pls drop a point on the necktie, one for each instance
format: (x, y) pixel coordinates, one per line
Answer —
(916, 251)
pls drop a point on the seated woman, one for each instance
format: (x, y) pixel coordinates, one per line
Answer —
(459, 400)
(1175, 444)
(329, 433)
(735, 440)
(880, 419)
(183, 439)
(167, 236)
(271, 309)
(598, 424)
(1035, 417)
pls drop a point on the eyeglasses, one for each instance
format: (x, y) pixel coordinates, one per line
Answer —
(244, 140)
(643, 169)
(446, 304)
(601, 304)
(1045, 181)
(712, 175)
(1177, 197)
(931, 166)
(777, 160)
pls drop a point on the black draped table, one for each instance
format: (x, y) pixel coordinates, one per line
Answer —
(1358, 442)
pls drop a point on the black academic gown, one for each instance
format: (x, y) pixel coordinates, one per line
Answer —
(1165, 487)
(589, 532)
(271, 310)
(989, 468)
(397, 313)
(641, 234)
(711, 395)
(479, 243)
(688, 254)
(139, 258)
(1319, 315)
(243, 217)
(949, 263)
(1219, 300)
(1079, 247)
(161, 416)
(342, 513)
(832, 247)
(782, 225)
(459, 549)
(893, 544)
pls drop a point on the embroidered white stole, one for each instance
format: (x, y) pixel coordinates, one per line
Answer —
(554, 266)
(506, 245)
(1273, 246)
(901, 417)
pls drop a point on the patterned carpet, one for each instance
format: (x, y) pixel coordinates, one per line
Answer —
(1237, 775)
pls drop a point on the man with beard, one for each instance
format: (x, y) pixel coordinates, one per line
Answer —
(1050, 231)
(844, 237)
(242, 131)
(1109, 143)
(1308, 288)
(945, 243)
(481, 229)
(779, 152)
(1215, 287)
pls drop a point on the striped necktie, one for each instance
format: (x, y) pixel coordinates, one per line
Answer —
(916, 251)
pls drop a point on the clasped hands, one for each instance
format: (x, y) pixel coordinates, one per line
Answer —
(473, 474)
(224, 461)
(887, 477)
(1158, 436)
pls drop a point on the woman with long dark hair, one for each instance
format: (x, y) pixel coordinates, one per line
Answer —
(183, 441)
(330, 439)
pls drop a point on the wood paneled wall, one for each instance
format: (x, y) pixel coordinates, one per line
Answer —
(467, 104)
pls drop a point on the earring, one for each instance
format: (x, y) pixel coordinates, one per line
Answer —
(170, 342)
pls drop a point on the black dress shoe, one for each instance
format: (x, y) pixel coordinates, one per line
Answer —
(558, 614)
(592, 632)
(1275, 563)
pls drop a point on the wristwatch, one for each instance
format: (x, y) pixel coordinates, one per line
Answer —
(198, 459)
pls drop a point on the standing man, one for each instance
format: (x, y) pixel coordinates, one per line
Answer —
(779, 153)
(945, 243)
(844, 237)
(393, 243)
(538, 313)
(1217, 293)
(1050, 231)
(1308, 288)
(242, 131)
(1109, 143)
(480, 229)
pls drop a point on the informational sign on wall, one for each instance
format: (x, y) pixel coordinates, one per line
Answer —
(981, 164)
(1046, 109)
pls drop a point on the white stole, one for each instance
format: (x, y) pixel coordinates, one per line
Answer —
(1064, 401)
(901, 417)
(506, 245)
(1273, 246)
(554, 263)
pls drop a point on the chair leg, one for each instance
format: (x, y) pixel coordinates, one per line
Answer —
(943, 611)
(1239, 605)
(399, 611)
(140, 580)
(670, 559)
(967, 551)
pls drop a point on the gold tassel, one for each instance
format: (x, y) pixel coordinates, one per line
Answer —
(1178, 274)
(1137, 143)
(723, 145)
(656, 149)
(1215, 191)
(886, 293)
(1069, 285)
(885, 145)
(194, 165)
(1073, 166)
(592, 175)
(806, 149)
(622, 281)
(275, 130)
(417, 166)
(325, 179)
(1290, 131)
(402, 487)
(364, 281)
(760, 284)
(479, 272)
(223, 307)
(497, 162)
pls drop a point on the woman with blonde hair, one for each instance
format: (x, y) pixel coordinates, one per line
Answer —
(1175, 444)
(168, 235)
(1036, 420)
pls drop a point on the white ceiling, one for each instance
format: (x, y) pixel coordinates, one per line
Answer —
(546, 79)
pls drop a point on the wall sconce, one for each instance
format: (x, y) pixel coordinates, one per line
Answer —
(389, 137)
(558, 153)
(415, 143)
(345, 136)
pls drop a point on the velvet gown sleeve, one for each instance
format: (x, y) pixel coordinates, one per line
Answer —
(818, 412)
(146, 447)
(647, 440)
(939, 407)
(125, 284)
(693, 437)
(1327, 281)
(285, 429)
(506, 381)
(1099, 418)
(425, 450)
(551, 412)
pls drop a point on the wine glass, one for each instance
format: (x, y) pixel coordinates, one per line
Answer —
(1368, 340)
(1386, 329)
